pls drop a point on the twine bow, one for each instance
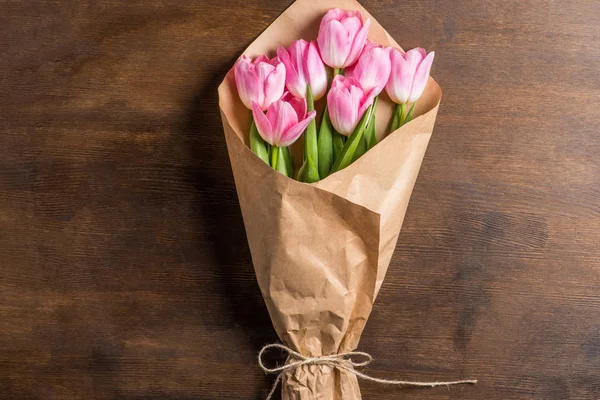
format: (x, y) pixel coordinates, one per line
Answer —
(340, 361)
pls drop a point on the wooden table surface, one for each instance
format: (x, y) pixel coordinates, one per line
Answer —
(124, 267)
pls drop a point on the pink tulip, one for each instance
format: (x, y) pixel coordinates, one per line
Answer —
(284, 122)
(372, 69)
(304, 67)
(342, 36)
(409, 75)
(346, 102)
(261, 81)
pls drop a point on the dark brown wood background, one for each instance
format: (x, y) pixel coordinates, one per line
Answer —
(124, 268)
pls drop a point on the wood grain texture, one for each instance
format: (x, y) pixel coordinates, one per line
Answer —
(124, 268)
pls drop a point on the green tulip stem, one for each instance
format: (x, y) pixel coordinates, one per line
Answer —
(274, 156)
(402, 114)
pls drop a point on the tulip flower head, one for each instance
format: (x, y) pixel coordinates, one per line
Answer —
(303, 67)
(347, 102)
(372, 69)
(284, 122)
(261, 81)
(409, 74)
(342, 36)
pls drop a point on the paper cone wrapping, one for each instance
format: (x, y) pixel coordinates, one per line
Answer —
(321, 250)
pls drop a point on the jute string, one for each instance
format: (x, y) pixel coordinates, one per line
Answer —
(340, 361)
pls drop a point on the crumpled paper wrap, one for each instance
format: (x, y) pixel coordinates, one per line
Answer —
(321, 251)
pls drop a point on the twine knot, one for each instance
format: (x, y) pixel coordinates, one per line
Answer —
(341, 361)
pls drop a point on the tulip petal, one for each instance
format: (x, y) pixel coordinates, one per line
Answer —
(315, 71)
(358, 44)
(400, 81)
(283, 55)
(246, 82)
(421, 77)
(356, 96)
(353, 13)
(263, 69)
(299, 105)
(352, 24)
(340, 111)
(293, 81)
(304, 67)
(345, 104)
(274, 85)
(293, 133)
(413, 59)
(421, 51)
(297, 53)
(282, 116)
(261, 58)
(338, 82)
(382, 67)
(372, 69)
(333, 14)
(262, 123)
(334, 44)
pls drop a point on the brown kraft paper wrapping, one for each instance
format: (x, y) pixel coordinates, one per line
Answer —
(321, 251)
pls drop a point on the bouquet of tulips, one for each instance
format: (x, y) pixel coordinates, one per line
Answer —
(321, 243)
(346, 68)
